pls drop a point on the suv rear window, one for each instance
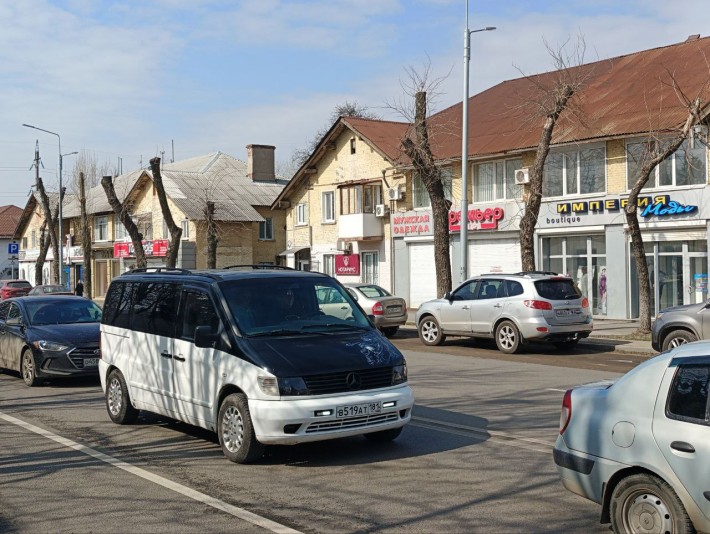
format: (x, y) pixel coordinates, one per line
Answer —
(19, 284)
(562, 289)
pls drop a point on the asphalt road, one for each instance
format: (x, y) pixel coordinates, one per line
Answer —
(476, 458)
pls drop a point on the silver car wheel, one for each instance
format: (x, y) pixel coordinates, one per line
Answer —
(506, 336)
(232, 429)
(115, 397)
(676, 342)
(644, 512)
(430, 331)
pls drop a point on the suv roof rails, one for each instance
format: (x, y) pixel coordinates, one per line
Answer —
(539, 273)
(258, 266)
(159, 270)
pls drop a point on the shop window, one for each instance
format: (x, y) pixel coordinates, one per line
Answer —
(302, 214)
(575, 172)
(329, 264)
(495, 180)
(185, 224)
(686, 166)
(361, 198)
(101, 228)
(328, 206)
(119, 231)
(420, 196)
(370, 268)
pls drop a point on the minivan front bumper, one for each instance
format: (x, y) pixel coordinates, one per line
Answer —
(287, 421)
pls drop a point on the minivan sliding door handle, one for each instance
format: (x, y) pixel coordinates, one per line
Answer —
(166, 354)
(178, 358)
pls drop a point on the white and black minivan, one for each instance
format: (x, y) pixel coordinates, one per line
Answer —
(253, 354)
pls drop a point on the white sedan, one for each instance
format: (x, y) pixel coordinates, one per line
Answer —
(640, 446)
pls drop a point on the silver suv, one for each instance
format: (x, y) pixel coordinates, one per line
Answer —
(512, 308)
(679, 325)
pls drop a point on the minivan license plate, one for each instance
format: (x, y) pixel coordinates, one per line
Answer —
(356, 410)
(91, 362)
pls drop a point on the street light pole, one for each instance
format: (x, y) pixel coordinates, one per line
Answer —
(59, 231)
(464, 148)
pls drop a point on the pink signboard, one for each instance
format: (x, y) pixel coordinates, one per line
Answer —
(159, 247)
(347, 264)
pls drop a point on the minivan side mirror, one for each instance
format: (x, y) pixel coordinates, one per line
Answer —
(205, 338)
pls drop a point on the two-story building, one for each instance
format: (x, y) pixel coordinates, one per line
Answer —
(595, 153)
(247, 229)
(9, 218)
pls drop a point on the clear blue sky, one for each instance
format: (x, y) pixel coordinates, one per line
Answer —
(124, 79)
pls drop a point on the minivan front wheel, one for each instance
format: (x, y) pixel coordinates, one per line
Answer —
(508, 337)
(118, 402)
(236, 432)
(430, 332)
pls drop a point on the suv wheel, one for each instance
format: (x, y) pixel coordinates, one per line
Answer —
(678, 338)
(430, 332)
(508, 337)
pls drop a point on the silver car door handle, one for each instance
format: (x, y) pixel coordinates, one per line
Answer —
(465, 307)
(497, 305)
(682, 446)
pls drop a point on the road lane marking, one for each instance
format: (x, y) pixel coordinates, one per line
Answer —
(622, 361)
(498, 436)
(555, 389)
(241, 513)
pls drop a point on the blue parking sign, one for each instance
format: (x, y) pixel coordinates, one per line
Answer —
(13, 248)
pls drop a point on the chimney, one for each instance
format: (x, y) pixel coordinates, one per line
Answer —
(260, 163)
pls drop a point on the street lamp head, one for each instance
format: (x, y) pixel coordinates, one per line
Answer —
(70, 154)
(490, 28)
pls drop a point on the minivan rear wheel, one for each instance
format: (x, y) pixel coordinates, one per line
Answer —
(430, 331)
(236, 432)
(508, 337)
(118, 402)
(677, 338)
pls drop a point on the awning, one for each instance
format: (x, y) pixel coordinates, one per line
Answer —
(293, 250)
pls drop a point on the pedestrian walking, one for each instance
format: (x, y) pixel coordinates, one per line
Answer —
(79, 289)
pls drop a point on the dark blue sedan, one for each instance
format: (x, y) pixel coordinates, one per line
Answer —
(48, 337)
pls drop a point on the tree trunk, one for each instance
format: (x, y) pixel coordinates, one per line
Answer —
(49, 219)
(44, 243)
(419, 152)
(85, 237)
(532, 207)
(212, 239)
(123, 215)
(175, 231)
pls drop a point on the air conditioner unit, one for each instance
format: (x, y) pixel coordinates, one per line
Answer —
(381, 210)
(344, 246)
(522, 176)
(394, 193)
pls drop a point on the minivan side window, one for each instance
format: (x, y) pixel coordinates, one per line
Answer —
(198, 310)
(155, 308)
(119, 304)
(688, 396)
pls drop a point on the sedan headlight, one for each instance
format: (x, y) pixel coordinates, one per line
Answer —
(399, 374)
(50, 346)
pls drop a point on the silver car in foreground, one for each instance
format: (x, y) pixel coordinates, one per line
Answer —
(640, 447)
(680, 324)
(511, 308)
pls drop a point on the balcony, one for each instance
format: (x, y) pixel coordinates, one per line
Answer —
(360, 226)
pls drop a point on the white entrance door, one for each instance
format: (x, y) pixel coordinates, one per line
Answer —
(422, 273)
(494, 256)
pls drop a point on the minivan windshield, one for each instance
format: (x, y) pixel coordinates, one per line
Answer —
(291, 306)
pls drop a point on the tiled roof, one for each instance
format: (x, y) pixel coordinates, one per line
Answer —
(9, 217)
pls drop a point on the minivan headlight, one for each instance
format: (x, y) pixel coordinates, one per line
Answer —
(399, 374)
(287, 387)
(49, 346)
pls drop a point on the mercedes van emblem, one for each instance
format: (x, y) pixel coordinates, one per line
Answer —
(353, 381)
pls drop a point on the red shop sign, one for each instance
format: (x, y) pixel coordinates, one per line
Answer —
(486, 219)
(347, 264)
(159, 247)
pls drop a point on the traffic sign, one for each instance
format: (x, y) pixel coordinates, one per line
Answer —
(13, 248)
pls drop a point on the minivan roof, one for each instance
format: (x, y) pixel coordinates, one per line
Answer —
(237, 272)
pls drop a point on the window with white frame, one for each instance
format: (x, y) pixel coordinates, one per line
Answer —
(575, 172)
(328, 206)
(495, 180)
(101, 228)
(119, 231)
(420, 196)
(185, 224)
(266, 229)
(302, 214)
(686, 166)
(329, 264)
(166, 231)
(34, 238)
(370, 268)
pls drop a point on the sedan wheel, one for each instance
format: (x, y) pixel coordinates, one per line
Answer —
(643, 503)
(507, 337)
(28, 369)
(678, 338)
(430, 332)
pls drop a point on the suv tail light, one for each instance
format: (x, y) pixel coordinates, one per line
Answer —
(585, 302)
(538, 304)
(566, 413)
(378, 309)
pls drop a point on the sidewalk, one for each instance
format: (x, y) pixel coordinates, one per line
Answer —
(608, 333)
